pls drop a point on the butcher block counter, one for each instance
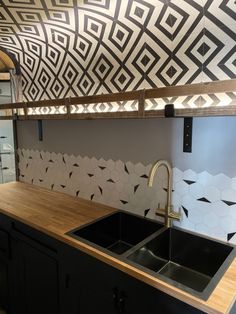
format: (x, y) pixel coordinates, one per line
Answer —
(55, 214)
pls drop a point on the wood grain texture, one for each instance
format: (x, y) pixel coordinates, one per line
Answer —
(139, 95)
(4, 76)
(55, 214)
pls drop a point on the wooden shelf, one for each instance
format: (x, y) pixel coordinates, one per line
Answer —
(4, 76)
(140, 96)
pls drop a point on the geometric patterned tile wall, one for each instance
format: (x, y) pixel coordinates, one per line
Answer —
(207, 203)
(69, 48)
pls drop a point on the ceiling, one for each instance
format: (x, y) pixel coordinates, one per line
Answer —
(81, 47)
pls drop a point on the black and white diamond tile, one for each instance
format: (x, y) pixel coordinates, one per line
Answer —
(69, 48)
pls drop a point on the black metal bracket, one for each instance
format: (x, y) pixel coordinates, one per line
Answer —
(188, 129)
(169, 111)
(15, 117)
(40, 130)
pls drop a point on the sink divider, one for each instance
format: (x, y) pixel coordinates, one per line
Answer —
(143, 242)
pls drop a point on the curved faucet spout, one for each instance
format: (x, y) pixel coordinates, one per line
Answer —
(154, 169)
(167, 212)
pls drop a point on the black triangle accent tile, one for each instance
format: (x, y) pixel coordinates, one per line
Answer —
(126, 169)
(203, 199)
(123, 202)
(229, 203)
(63, 186)
(146, 211)
(90, 175)
(70, 174)
(144, 176)
(189, 182)
(40, 180)
(91, 197)
(165, 189)
(102, 168)
(185, 211)
(100, 189)
(52, 186)
(136, 187)
(77, 193)
(46, 170)
(75, 165)
(230, 235)
(110, 180)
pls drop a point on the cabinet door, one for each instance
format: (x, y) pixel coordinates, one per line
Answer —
(69, 290)
(90, 287)
(138, 298)
(4, 268)
(4, 293)
(98, 286)
(39, 281)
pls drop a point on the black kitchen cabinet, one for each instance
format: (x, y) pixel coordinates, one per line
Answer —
(36, 273)
(40, 275)
(137, 298)
(95, 287)
(88, 286)
(5, 263)
(39, 281)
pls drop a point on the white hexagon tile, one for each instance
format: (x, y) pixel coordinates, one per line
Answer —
(207, 202)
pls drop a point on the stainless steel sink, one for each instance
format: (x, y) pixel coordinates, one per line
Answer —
(188, 261)
(184, 259)
(118, 232)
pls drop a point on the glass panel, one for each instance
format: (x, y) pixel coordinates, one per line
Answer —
(120, 106)
(196, 101)
(47, 110)
(5, 92)
(7, 153)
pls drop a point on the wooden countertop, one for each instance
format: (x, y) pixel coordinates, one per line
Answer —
(56, 213)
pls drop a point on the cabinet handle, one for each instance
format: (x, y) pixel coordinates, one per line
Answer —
(122, 298)
(115, 296)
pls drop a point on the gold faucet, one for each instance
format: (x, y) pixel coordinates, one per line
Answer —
(167, 213)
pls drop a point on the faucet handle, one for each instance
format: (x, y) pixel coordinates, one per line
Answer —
(177, 215)
(180, 213)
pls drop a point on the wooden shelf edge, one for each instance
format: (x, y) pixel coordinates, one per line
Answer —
(5, 76)
(179, 113)
(138, 96)
(169, 91)
(7, 118)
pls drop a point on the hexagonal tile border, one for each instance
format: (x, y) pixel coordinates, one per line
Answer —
(208, 202)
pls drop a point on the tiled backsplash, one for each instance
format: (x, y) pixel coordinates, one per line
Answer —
(208, 203)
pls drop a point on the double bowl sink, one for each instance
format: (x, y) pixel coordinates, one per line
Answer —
(184, 259)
